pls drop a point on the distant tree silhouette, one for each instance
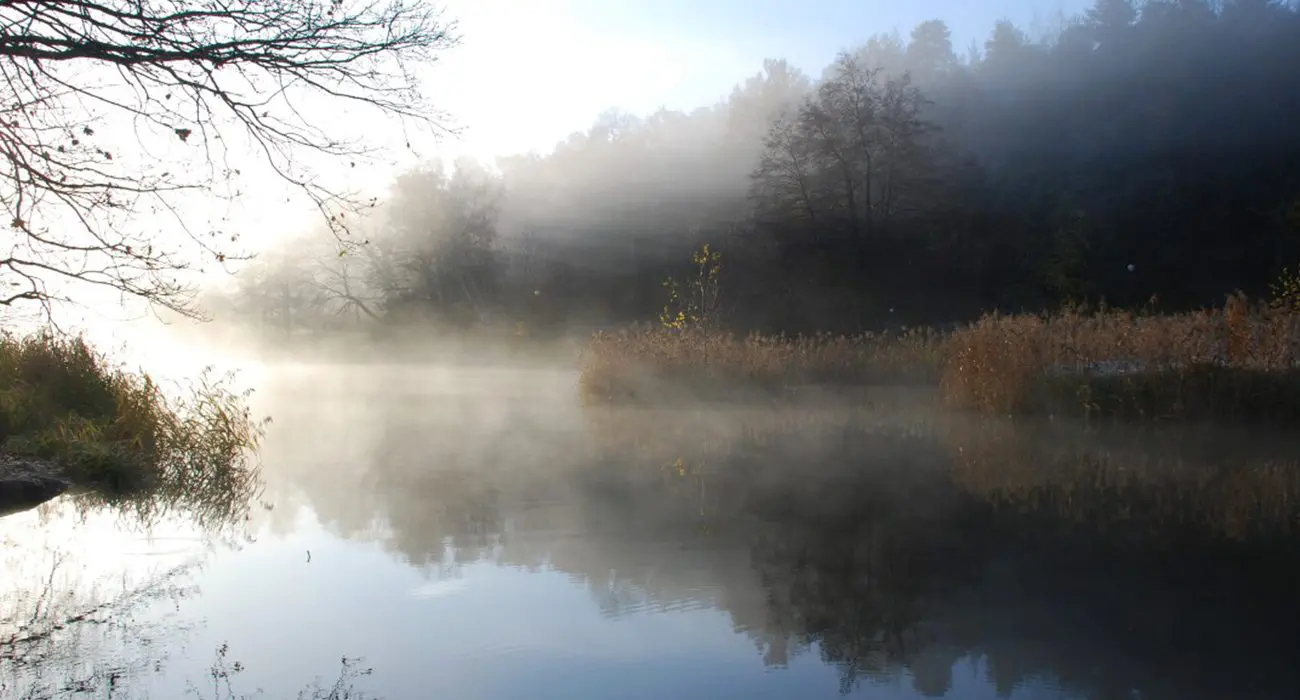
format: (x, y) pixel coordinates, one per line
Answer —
(1143, 149)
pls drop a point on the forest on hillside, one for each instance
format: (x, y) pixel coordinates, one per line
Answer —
(1145, 150)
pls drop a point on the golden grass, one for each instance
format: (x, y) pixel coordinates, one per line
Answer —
(1238, 362)
(647, 363)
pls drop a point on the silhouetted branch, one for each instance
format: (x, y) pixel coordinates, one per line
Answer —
(193, 76)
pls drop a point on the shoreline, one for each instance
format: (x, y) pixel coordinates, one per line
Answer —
(26, 483)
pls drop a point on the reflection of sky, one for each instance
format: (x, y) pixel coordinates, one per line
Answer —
(490, 633)
(486, 632)
(52, 542)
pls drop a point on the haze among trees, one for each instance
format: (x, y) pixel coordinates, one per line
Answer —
(1143, 150)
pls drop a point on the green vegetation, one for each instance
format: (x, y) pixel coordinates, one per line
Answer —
(119, 436)
(1286, 288)
(693, 303)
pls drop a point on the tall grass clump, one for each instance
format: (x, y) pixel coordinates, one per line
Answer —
(118, 435)
(1241, 361)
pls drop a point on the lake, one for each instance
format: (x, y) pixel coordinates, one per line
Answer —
(473, 532)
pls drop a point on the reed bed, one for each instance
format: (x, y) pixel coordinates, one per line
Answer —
(1238, 362)
(640, 364)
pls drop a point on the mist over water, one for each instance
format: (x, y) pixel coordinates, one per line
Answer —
(472, 530)
(447, 508)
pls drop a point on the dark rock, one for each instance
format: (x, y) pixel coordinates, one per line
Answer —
(27, 483)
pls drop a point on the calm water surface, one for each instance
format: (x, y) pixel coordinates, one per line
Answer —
(474, 533)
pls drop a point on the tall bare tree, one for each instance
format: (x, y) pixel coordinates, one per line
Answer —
(195, 78)
(854, 158)
(784, 185)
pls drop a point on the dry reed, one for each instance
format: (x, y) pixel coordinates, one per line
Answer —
(641, 363)
(1237, 362)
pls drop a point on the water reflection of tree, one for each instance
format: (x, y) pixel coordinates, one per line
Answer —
(73, 627)
(849, 564)
(66, 629)
(416, 472)
(76, 620)
(847, 554)
(899, 566)
(893, 547)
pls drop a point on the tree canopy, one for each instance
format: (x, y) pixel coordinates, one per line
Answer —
(1143, 149)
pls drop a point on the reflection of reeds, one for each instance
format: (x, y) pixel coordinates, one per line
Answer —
(660, 434)
(223, 672)
(1167, 483)
(1237, 363)
(714, 467)
(913, 543)
(60, 619)
(72, 627)
(1236, 484)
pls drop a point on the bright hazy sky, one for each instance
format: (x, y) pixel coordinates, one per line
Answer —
(530, 72)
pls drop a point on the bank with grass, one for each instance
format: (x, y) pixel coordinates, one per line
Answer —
(1238, 362)
(71, 419)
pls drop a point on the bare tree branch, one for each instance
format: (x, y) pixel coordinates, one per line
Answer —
(188, 81)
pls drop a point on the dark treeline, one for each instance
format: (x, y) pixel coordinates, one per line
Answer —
(1144, 149)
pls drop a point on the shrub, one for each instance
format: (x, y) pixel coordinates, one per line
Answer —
(693, 303)
(1286, 289)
